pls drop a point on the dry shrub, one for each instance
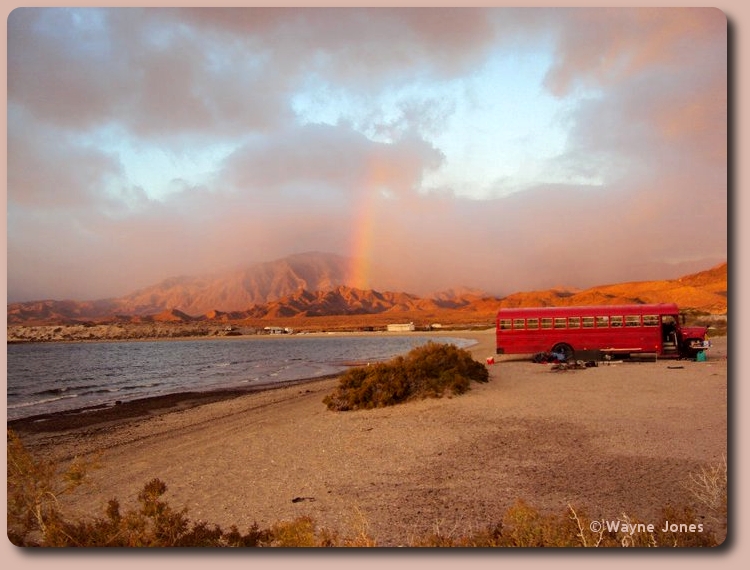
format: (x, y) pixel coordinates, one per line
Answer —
(361, 536)
(299, 532)
(154, 524)
(33, 488)
(524, 526)
(34, 519)
(427, 371)
(709, 488)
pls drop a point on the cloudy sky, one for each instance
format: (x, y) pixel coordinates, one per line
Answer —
(498, 149)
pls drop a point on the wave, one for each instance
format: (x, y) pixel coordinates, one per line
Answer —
(100, 391)
(63, 390)
(40, 402)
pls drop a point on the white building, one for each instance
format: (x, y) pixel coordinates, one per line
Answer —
(278, 330)
(401, 327)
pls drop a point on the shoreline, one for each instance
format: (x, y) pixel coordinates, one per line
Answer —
(53, 334)
(152, 406)
(141, 408)
(609, 440)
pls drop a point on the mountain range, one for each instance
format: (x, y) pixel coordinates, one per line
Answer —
(317, 284)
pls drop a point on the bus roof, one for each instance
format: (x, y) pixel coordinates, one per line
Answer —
(587, 310)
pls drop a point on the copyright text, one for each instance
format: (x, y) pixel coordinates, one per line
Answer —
(636, 528)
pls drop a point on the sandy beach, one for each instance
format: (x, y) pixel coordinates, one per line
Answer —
(612, 439)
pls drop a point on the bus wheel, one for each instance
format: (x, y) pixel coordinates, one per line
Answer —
(563, 348)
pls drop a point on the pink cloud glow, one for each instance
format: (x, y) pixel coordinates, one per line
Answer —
(650, 127)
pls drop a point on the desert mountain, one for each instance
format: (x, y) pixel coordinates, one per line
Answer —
(224, 292)
(315, 285)
(242, 288)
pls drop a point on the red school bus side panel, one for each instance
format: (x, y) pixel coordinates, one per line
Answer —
(623, 328)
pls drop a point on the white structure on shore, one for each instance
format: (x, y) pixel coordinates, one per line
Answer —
(401, 327)
(278, 330)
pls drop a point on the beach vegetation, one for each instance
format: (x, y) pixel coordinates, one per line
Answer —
(523, 526)
(708, 486)
(35, 518)
(153, 524)
(34, 487)
(431, 370)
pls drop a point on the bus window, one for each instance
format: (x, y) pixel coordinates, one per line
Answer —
(574, 322)
(560, 322)
(602, 322)
(650, 321)
(504, 324)
(546, 323)
(532, 324)
(615, 321)
(588, 322)
(632, 321)
(518, 324)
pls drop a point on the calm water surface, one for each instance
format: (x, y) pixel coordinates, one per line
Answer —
(51, 377)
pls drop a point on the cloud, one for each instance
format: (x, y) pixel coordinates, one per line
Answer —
(605, 46)
(641, 183)
(308, 160)
(48, 168)
(357, 46)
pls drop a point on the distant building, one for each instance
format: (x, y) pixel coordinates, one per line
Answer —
(401, 327)
(279, 330)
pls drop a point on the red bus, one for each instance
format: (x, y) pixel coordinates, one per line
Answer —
(600, 330)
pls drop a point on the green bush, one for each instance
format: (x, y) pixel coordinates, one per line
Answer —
(427, 371)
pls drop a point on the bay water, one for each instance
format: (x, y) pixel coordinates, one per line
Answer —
(55, 377)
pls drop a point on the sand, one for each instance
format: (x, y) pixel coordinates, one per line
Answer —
(613, 439)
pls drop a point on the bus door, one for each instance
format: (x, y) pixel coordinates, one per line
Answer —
(669, 334)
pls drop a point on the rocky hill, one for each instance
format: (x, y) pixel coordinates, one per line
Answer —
(314, 285)
(224, 292)
(241, 288)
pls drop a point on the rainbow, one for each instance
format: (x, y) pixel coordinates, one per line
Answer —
(377, 177)
(362, 242)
